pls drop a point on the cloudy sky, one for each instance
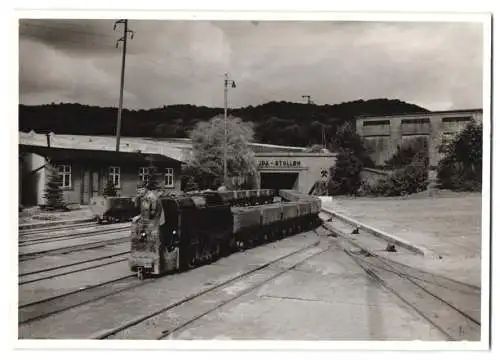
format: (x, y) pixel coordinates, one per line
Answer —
(435, 65)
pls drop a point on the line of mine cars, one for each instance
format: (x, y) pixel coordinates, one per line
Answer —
(175, 233)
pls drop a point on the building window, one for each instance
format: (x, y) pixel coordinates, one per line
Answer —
(143, 174)
(455, 124)
(114, 175)
(169, 177)
(65, 174)
(376, 123)
(415, 121)
(457, 119)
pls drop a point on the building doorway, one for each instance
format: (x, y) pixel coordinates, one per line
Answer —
(90, 185)
(278, 181)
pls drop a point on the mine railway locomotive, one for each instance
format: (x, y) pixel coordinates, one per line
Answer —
(178, 233)
(113, 209)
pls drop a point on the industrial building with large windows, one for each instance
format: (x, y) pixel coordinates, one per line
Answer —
(383, 134)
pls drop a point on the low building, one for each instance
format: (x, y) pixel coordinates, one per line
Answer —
(86, 163)
(293, 170)
(383, 134)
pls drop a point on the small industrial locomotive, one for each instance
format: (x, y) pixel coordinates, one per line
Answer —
(178, 233)
(113, 209)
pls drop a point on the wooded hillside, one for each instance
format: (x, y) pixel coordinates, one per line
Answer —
(281, 123)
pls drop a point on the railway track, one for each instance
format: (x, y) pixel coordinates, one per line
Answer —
(451, 306)
(245, 282)
(44, 229)
(71, 268)
(72, 248)
(45, 310)
(63, 235)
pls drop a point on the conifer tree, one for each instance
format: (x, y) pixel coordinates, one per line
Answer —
(53, 192)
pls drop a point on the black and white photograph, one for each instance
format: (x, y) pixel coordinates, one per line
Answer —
(228, 178)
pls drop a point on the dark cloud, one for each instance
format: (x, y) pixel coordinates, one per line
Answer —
(70, 35)
(435, 65)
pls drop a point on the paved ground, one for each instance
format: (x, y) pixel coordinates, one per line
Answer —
(449, 225)
(327, 297)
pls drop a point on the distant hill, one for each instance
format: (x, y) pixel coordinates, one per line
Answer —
(282, 123)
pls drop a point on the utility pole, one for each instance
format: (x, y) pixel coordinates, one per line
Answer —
(126, 31)
(323, 135)
(227, 81)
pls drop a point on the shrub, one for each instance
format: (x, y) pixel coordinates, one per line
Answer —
(405, 153)
(151, 180)
(405, 180)
(461, 167)
(320, 188)
(109, 189)
(346, 174)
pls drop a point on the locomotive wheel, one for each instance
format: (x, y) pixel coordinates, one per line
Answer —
(191, 262)
(252, 242)
(240, 245)
(217, 252)
(187, 259)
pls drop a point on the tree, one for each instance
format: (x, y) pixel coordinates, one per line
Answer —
(462, 165)
(346, 174)
(274, 120)
(53, 192)
(207, 163)
(346, 137)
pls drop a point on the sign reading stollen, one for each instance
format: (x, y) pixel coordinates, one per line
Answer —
(279, 164)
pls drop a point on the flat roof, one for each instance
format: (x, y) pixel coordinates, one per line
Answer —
(103, 143)
(62, 154)
(178, 149)
(428, 113)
